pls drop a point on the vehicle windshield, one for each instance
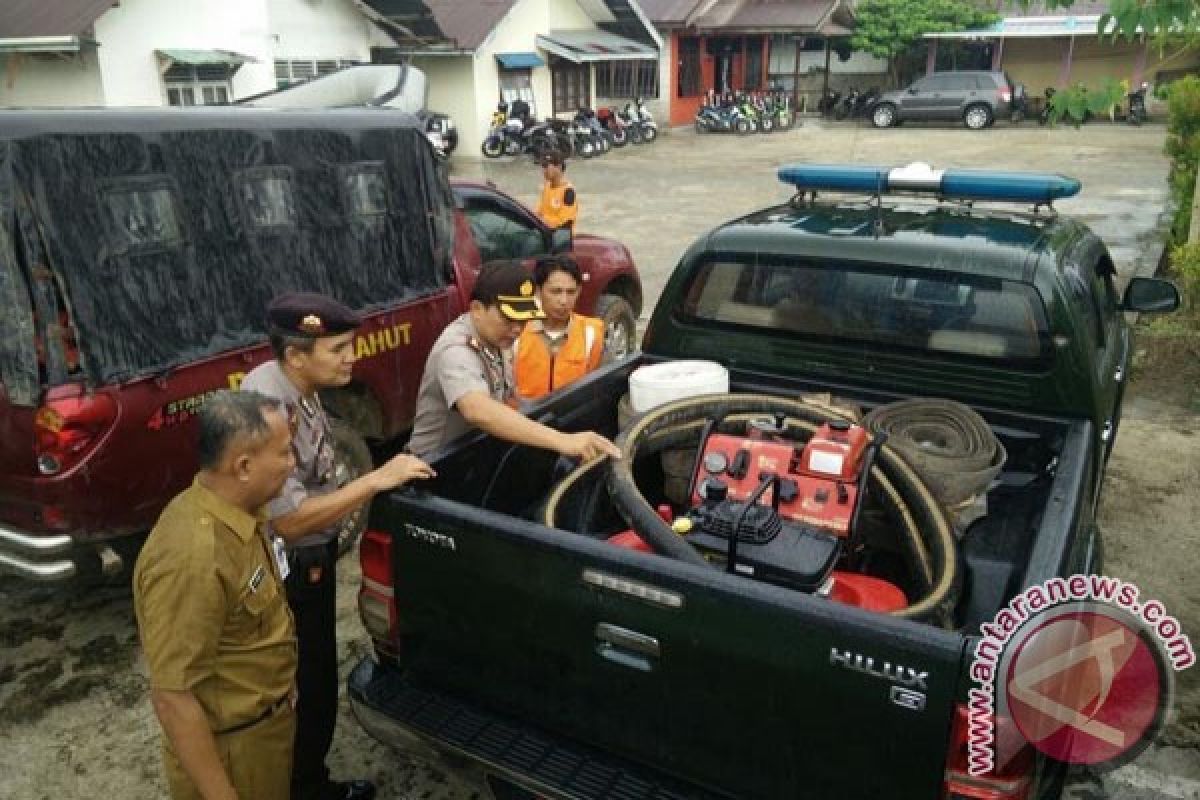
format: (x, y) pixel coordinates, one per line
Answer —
(895, 308)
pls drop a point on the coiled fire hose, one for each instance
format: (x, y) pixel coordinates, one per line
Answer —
(930, 548)
(950, 445)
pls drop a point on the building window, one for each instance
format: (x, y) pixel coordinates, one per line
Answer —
(296, 71)
(517, 84)
(571, 86)
(690, 78)
(203, 85)
(627, 79)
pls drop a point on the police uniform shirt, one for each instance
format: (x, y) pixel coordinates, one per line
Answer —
(458, 364)
(211, 609)
(312, 444)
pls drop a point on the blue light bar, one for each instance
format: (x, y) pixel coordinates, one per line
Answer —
(967, 184)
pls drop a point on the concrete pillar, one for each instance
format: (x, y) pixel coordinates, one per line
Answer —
(931, 58)
(1139, 66)
(1064, 75)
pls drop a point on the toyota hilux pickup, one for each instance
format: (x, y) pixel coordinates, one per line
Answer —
(793, 612)
(138, 249)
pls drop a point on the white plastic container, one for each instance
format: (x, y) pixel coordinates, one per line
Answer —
(653, 385)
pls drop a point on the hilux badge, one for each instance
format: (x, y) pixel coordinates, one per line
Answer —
(885, 670)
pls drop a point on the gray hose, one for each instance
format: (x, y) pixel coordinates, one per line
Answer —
(930, 548)
(949, 445)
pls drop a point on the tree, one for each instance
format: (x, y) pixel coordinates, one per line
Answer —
(889, 28)
(1159, 18)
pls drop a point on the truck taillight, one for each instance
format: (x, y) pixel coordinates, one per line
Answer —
(1011, 777)
(67, 429)
(377, 596)
(1006, 95)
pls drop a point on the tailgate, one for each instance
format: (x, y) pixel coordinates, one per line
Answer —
(721, 681)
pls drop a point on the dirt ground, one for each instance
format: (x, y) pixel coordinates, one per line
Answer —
(75, 720)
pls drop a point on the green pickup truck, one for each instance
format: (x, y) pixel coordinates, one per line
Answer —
(603, 631)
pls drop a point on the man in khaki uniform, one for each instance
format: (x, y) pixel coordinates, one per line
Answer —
(218, 637)
(468, 379)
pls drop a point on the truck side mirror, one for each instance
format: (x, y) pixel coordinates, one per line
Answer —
(1150, 294)
(561, 240)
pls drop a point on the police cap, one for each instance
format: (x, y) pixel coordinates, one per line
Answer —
(310, 314)
(508, 285)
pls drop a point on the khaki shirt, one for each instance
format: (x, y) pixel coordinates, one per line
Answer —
(312, 444)
(211, 609)
(457, 365)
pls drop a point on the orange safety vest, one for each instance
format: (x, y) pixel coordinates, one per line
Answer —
(553, 207)
(539, 372)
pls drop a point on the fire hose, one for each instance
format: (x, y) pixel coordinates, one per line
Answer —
(929, 546)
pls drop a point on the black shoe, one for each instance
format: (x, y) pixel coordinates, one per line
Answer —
(349, 790)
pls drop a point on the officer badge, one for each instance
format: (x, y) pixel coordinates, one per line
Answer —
(526, 289)
(312, 325)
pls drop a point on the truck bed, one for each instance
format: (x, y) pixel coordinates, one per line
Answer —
(713, 679)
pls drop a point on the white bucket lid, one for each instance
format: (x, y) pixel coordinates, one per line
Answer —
(655, 384)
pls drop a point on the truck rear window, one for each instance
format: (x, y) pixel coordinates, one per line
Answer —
(952, 313)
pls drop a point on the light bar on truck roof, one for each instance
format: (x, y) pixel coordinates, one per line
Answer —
(1038, 188)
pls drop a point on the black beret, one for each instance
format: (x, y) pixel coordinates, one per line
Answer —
(310, 314)
(509, 285)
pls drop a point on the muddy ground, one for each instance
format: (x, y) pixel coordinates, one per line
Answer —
(75, 721)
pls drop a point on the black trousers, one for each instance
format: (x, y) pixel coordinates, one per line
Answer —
(311, 592)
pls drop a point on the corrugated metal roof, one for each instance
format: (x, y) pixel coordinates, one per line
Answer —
(798, 14)
(668, 12)
(594, 45)
(462, 23)
(1081, 8)
(717, 14)
(26, 18)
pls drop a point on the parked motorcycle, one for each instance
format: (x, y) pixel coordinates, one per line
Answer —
(638, 113)
(506, 137)
(781, 106)
(721, 116)
(1137, 105)
(617, 131)
(829, 102)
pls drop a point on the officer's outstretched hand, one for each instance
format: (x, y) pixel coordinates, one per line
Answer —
(399, 471)
(587, 445)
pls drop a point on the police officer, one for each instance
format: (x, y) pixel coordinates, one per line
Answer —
(313, 340)
(468, 379)
(218, 638)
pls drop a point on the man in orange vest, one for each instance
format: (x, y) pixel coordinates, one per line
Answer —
(558, 207)
(563, 347)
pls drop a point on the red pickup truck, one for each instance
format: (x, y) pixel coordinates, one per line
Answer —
(137, 252)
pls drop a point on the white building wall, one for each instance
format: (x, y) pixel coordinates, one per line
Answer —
(130, 33)
(48, 80)
(322, 29)
(451, 82)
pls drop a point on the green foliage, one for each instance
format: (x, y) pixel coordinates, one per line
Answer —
(1183, 146)
(887, 28)
(1159, 18)
(1185, 270)
(1078, 103)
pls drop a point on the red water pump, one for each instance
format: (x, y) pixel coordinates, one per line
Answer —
(818, 483)
(782, 513)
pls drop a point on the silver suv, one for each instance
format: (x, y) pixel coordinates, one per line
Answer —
(975, 98)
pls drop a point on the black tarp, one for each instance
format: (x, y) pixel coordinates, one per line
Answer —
(169, 231)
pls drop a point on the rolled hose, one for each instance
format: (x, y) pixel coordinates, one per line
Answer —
(949, 444)
(928, 540)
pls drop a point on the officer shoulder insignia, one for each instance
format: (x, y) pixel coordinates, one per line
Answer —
(312, 325)
(474, 344)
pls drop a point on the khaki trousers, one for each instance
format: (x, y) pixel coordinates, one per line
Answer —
(258, 760)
